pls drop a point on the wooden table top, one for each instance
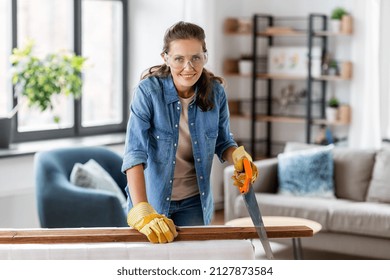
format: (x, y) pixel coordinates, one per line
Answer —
(91, 235)
(276, 221)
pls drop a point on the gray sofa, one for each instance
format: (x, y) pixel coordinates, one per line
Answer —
(355, 222)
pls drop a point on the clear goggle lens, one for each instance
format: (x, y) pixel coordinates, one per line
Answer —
(180, 62)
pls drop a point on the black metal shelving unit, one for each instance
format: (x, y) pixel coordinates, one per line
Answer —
(316, 27)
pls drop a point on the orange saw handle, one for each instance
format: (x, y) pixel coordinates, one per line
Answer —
(248, 176)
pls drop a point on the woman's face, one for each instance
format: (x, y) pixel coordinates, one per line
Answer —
(186, 60)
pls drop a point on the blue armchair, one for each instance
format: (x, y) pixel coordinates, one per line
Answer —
(62, 204)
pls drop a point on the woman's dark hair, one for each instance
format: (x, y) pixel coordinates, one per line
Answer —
(179, 31)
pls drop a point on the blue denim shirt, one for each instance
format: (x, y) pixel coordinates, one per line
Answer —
(153, 133)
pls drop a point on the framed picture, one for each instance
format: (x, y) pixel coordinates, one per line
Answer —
(293, 61)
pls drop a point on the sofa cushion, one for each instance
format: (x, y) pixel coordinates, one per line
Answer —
(364, 218)
(306, 172)
(379, 188)
(93, 175)
(335, 215)
(312, 208)
(352, 172)
(352, 169)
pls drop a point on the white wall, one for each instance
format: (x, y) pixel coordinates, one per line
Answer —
(148, 21)
(17, 194)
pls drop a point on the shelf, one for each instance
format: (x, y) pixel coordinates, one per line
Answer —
(280, 77)
(240, 116)
(274, 119)
(291, 33)
(325, 122)
(235, 33)
(280, 119)
(289, 119)
(266, 76)
(329, 34)
(331, 78)
(231, 74)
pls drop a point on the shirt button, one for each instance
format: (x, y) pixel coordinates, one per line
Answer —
(196, 142)
(175, 144)
(192, 123)
(174, 162)
(167, 198)
(175, 125)
(170, 181)
(202, 193)
(198, 159)
(201, 177)
(178, 108)
(158, 137)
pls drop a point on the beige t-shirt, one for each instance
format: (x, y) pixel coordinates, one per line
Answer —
(185, 183)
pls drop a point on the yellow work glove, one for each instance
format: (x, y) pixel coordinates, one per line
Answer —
(156, 227)
(239, 173)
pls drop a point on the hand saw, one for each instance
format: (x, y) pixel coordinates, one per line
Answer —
(253, 208)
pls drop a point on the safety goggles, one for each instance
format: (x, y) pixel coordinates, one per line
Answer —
(180, 62)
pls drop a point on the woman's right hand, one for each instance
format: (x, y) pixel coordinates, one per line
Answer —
(157, 228)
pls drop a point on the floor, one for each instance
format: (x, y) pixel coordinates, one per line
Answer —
(218, 218)
(285, 252)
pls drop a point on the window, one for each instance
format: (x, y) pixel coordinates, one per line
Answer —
(5, 49)
(49, 24)
(102, 88)
(96, 29)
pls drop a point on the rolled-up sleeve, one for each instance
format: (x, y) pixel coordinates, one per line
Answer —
(137, 130)
(225, 137)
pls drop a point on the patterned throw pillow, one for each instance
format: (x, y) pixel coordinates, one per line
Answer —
(379, 188)
(307, 172)
(93, 176)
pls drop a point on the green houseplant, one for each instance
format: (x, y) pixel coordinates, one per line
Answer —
(335, 17)
(332, 109)
(338, 13)
(38, 79)
(333, 102)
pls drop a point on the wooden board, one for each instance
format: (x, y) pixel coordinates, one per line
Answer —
(93, 235)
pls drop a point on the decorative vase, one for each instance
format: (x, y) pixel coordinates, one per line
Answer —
(6, 132)
(346, 24)
(345, 114)
(245, 67)
(346, 70)
(331, 114)
(335, 25)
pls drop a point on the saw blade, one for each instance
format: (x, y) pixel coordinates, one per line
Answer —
(255, 214)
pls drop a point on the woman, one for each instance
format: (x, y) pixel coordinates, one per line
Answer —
(178, 120)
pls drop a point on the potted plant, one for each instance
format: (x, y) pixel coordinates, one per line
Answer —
(37, 80)
(335, 19)
(6, 132)
(332, 109)
(333, 68)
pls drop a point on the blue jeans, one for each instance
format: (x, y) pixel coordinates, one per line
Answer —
(187, 212)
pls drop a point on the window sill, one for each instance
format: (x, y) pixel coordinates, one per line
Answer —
(28, 148)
